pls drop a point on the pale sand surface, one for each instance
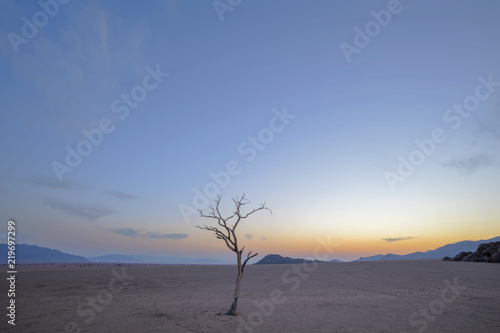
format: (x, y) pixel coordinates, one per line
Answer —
(345, 297)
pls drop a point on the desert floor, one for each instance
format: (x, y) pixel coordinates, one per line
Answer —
(396, 296)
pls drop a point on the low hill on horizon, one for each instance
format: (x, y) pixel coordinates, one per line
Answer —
(276, 259)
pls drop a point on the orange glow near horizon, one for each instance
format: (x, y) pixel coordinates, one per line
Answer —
(346, 248)
(299, 240)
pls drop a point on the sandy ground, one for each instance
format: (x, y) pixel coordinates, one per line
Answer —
(398, 296)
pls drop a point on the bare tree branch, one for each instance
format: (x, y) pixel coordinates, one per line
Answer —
(220, 235)
(249, 256)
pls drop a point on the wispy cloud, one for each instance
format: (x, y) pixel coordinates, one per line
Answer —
(89, 211)
(125, 232)
(164, 236)
(248, 236)
(121, 195)
(472, 163)
(130, 232)
(397, 239)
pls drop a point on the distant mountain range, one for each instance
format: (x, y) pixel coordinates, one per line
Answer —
(37, 254)
(32, 254)
(449, 250)
(27, 254)
(275, 259)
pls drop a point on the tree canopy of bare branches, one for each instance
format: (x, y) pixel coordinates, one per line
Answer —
(225, 230)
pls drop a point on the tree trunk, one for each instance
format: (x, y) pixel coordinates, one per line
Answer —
(232, 309)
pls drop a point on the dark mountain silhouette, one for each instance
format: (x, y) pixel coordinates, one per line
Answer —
(276, 259)
(486, 252)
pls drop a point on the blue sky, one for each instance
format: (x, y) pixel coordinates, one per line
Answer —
(173, 92)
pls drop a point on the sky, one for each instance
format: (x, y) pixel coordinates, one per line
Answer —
(371, 125)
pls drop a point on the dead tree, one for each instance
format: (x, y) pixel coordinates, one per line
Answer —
(228, 235)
